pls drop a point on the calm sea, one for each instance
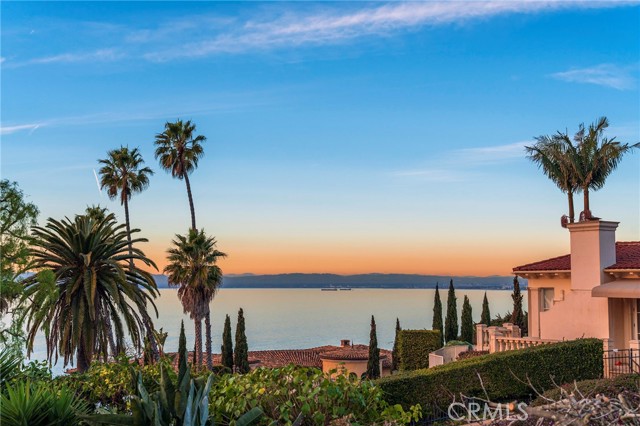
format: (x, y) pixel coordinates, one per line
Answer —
(304, 318)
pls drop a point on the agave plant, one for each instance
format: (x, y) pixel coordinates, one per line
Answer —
(38, 404)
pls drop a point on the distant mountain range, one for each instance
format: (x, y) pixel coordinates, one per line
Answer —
(298, 280)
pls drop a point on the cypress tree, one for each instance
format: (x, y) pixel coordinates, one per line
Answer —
(373, 365)
(182, 353)
(241, 354)
(437, 316)
(395, 354)
(227, 345)
(466, 327)
(451, 321)
(517, 314)
(485, 318)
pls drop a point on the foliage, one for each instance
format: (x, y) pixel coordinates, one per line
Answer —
(192, 266)
(227, 345)
(451, 320)
(17, 216)
(122, 174)
(109, 384)
(471, 354)
(466, 327)
(437, 323)
(9, 366)
(608, 387)
(593, 157)
(179, 152)
(94, 293)
(415, 346)
(505, 375)
(241, 353)
(285, 393)
(27, 403)
(485, 317)
(373, 364)
(182, 351)
(549, 153)
(517, 314)
(395, 353)
(176, 401)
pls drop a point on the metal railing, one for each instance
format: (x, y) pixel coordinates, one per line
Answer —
(621, 361)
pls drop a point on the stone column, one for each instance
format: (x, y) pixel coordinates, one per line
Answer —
(607, 346)
(480, 328)
(493, 342)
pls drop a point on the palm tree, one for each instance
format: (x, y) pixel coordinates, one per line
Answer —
(549, 153)
(93, 287)
(192, 266)
(178, 152)
(123, 174)
(593, 157)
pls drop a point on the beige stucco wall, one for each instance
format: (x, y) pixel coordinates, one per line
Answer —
(574, 313)
(359, 367)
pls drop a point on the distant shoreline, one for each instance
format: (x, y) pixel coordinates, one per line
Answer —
(361, 281)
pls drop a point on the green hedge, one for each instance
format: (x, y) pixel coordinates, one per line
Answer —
(414, 347)
(560, 362)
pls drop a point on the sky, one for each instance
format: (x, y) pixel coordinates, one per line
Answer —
(341, 137)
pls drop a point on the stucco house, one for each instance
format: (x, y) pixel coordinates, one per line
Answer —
(592, 292)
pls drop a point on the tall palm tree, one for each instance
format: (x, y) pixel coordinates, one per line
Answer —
(179, 152)
(192, 265)
(549, 153)
(93, 287)
(122, 174)
(593, 157)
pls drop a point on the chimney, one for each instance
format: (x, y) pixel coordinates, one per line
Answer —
(345, 343)
(593, 248)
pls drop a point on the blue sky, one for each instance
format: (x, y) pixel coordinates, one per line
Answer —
(342, 137)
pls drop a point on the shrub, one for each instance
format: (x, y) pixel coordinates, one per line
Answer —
(40, 404)
(414, 347)
(608, 387)
(285, 393)
(504, 374)
(110, 384)
(471, 354)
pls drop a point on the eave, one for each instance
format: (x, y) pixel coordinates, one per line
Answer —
(623, 273)
(543, 274)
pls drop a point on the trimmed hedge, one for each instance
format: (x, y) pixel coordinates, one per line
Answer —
(560, 362)
(414, 347)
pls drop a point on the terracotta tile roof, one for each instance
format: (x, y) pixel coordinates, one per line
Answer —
(349, 353)
(627, 257)
(303, 357)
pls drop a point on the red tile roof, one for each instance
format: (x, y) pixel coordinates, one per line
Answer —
(627, 257)
(355, 352)
(303, 357)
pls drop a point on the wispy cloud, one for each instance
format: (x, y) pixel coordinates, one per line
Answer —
(337, 25)
(278, 27)
(464, 164)
(608, 75)
(32, 127)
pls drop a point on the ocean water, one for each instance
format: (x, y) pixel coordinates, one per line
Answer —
(304, 318)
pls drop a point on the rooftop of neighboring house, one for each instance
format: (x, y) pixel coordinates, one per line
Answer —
(311, 357)
(627, 258)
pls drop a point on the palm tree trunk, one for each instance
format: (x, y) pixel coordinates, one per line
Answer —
(198, 355)
(572, 213)
(193, 212)
(585, 192)
(109, 331)
(126, 221)
(207, 324)
(82, 361)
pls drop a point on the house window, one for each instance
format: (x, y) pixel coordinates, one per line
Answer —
(546, 297)
(638, 319)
